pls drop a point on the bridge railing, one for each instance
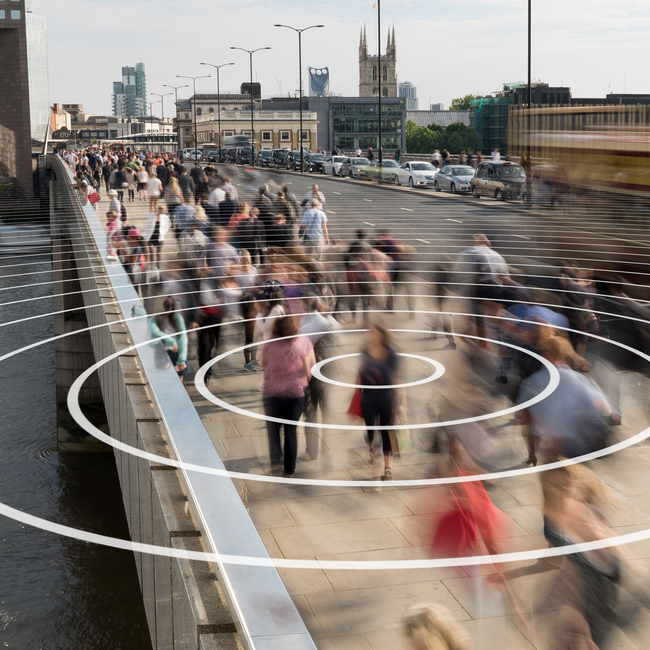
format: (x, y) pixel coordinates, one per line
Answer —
(262, 610)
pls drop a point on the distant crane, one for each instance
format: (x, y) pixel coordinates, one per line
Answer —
(279, 87)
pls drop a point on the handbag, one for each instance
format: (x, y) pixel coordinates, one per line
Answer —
(94, 198)
(355, 410)
(400, 439)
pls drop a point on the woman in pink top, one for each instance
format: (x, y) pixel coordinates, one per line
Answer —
(287, 370)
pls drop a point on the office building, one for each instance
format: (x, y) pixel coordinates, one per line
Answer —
(15, 133)
(410, 93)
(437, 107)
(38, 71)
(130, 94)
(319, 82)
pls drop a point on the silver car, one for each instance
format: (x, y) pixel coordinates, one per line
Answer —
(455, 179)
(354, 167)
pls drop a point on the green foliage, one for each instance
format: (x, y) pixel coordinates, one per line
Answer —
(461, 103)
(426, 139)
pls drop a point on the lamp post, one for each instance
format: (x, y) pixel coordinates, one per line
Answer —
(250, 54)
(176, 89)
(529, 57)
(379, 71)
(162, 113)
(158, 101)
(299, 32)
(217, 68)
(205, 76)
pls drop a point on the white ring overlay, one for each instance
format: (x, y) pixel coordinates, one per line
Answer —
(440, 371)
(199, 383)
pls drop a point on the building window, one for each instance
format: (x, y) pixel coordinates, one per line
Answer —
(187, 116)
(384, 92)
(285, 136)
(228, 134)
(248, 133)
(187, 131)
(384, 74)
(2, 14)
(15, 14)
(212, 110)
(374, 73)
(266, 136)
(305, 136)
(199, 111)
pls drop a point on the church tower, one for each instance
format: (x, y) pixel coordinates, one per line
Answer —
(371, 66)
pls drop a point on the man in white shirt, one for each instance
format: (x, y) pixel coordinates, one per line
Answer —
(496, 156)
(314, 228)
(228, 187)
(216, 196)
(314, 193)
(357, 152)
(436, 158)
(482, 264)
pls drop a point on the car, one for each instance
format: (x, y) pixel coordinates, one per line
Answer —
(231, 155)
(292, 160)
(263, 158)
(243, 156)
(388, 170)
(354, 167)
(419, 173)
(333, 165)
(547, 188)
(503, 180)
(191, 154)
(278, 158)
(210, 155)
(455, 178)
(313, 162)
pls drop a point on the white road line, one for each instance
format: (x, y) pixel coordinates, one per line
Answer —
(407, 209)
(367, 223)
(521, 236)
(424, 241)
(368, 200)
(454, 220)
(331, 212)
(339, 193)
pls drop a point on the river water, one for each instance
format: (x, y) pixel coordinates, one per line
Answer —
(55, 593)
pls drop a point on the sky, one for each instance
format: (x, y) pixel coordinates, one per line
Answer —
(446, 48)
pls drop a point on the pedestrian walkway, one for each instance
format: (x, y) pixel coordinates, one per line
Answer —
(354, 610)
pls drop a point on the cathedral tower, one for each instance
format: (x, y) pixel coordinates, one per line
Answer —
(371, 66)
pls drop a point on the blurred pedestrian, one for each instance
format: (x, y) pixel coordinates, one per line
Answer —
(170, 325)
(431, 626)
(379, 404)
(287, 371)
(157, 227)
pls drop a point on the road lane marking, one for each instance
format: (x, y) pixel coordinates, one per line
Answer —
(454, 220)
(339, 193)
(369, 200)
(521, 236)
(331, 212)
(367, 223)
(407, 209)
(424, 241)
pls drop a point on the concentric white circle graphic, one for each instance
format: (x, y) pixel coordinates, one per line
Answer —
(440, 371)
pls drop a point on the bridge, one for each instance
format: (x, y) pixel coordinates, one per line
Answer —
(230, 557)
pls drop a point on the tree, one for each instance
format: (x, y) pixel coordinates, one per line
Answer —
(461, 103)
(426, 139)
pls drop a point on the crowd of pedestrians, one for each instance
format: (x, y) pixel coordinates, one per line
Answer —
(267, 262)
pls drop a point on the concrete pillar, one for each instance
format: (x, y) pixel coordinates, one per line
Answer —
(72, 354)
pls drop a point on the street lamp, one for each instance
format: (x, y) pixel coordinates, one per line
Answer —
(250, 54)
(176, 89)
(217, 68)
(300, 31)
(162, 111)
(529, 57)
(379, 70)
(206, 76)
(158, 101)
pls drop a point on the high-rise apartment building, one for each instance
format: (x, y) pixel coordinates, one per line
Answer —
(409, 92)
(38, 72)
(130, 94)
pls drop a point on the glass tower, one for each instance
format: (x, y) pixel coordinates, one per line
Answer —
(38, 72)
(130, 94)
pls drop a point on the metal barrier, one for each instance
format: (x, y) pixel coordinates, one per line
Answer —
(262, 610)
